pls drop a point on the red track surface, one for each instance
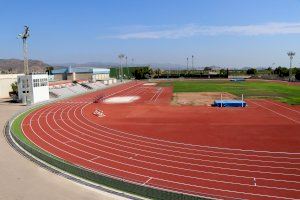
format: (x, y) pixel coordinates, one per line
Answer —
(213, 152)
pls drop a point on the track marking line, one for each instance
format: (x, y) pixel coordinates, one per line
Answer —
(95, 158)
(150, 178)
(282, 106)
(297, 122)
(231, 191)
(186, 144)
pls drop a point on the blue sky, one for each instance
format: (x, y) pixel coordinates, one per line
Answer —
(234, 33)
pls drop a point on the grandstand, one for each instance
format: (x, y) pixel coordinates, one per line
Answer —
(95, 85)
(69, 89)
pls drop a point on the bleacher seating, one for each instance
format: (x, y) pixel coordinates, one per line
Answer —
(77, 89)
(95, 85)
(72, 89)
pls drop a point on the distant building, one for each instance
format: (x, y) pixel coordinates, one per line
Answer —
(80, 73)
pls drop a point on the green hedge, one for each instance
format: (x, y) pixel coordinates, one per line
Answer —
(95, 177)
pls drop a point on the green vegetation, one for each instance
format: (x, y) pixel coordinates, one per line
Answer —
(251, 89)
(132, 72)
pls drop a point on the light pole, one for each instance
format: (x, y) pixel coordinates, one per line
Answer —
(192, 62)
(291, 54)
(121, 56)
(127, 67)
(187, 64)
(24, 37)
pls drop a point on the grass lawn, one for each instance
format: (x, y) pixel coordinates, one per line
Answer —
(251, 89)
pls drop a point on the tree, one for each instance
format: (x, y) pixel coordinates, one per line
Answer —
(49, 70)
(157, 72)
(142, 73)
(14, 87)
(251, 71)
(281, 71)
(297, 74)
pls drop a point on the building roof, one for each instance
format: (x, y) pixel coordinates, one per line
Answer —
(92, 70)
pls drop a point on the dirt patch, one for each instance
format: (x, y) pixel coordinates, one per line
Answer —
(199, 98)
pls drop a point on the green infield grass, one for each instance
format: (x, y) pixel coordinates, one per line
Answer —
(250, 89)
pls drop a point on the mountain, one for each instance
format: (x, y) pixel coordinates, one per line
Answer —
(17, 66)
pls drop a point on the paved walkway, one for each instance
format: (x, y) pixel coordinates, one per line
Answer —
(21, 179)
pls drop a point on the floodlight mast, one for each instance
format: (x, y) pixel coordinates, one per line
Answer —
(291, 54)
(24, 37)
(187, 64)
(121, 56)
(126, 58)
(192, 62)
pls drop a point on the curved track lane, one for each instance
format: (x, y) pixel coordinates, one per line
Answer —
(69, 130)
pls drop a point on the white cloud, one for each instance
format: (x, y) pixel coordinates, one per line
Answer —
(191, 30)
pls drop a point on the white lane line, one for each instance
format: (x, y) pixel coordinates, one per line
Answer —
(155, 170)
(43, 130)
(297, 122)
(94, 158)
(188, 157)
(161, 91)
(126, 147)
(185, 144)
(150, 178)
(186, 191)
(148, 162)
(283, 106)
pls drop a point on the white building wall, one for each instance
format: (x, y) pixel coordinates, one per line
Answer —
(36, 87)
(5, 84)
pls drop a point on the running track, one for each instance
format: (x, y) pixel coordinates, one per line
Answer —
(205, 151)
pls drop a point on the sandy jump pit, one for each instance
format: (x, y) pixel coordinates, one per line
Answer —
(199, 98)
(121, 99)
(150, 84)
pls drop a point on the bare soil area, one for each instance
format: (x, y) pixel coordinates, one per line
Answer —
(199, 98)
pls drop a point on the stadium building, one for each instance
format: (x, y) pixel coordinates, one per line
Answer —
(80, 73)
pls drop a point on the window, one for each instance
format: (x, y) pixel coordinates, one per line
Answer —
(44, 82)
(36, 82)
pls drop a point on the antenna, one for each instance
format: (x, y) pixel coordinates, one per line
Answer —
(24, 37)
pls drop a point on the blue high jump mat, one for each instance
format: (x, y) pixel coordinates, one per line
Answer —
(229, 103)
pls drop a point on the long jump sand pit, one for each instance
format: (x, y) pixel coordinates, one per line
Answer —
(150, 84)
(199, 98)
(121, 99)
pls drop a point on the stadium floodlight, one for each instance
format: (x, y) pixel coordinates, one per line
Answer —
(121, 56)
(187, 63)
(192, 62)
(291, 54)
(24, 37)
(127, 67)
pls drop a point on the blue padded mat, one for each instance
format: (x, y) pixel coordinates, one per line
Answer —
(229, 103)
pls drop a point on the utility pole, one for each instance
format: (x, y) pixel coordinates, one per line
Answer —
(24, 37)
(291, 54)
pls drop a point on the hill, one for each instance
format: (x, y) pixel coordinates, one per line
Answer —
(17, 66)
